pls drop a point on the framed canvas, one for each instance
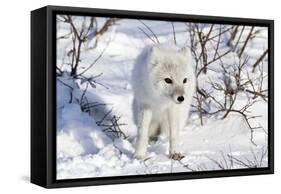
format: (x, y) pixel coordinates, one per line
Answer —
(126, 96)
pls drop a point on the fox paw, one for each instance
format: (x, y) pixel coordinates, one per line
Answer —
(139, 156)
(176, 156)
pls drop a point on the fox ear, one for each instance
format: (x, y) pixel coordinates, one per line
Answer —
(186, 52)
(155, 56)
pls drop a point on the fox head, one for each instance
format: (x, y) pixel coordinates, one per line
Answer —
(172, 75)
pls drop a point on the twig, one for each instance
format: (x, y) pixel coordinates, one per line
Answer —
(174, 33)
(186, 166)
(246, 41)
(238, 40)
(71, 90)
(94, 62)
(150, 31)
(259, 60)
(146, 34)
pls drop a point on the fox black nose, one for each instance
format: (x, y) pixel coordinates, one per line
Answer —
(180, 98)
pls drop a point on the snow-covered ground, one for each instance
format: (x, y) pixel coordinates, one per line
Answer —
(87, 148)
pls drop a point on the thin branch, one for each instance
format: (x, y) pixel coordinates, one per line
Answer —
(71, 90)
(259, 60)
(246, 41)
(94, 62)
(174, 33)
(146, 34)
(150, 31)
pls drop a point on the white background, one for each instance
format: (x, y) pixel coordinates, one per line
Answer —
(15, 94)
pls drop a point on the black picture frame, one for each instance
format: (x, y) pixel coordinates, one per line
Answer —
(43, 97)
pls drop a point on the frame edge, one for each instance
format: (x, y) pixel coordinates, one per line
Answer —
(38, 97)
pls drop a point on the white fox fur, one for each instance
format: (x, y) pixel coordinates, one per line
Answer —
(160, 103)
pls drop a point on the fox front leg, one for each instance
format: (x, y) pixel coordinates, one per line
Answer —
(144, 119)
(174, 139)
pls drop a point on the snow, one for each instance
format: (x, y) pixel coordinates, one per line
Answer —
(86, 149)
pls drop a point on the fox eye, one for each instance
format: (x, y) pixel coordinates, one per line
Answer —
(168, 80)
(184, 80)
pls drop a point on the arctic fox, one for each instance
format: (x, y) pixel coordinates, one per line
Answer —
(163, 83)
